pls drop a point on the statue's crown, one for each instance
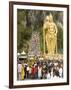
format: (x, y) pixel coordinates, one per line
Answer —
(51, 17)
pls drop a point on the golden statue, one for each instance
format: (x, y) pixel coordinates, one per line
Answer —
(50, 35)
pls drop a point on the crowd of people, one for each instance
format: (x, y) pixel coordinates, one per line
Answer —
(40, 70)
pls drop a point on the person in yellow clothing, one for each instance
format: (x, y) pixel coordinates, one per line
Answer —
(22, 72)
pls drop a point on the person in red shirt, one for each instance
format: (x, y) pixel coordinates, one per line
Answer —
(34, 72)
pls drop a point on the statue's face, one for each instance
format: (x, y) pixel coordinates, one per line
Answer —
(47, 19)
(51, 19)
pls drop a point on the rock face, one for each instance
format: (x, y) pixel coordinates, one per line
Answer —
(34, 45)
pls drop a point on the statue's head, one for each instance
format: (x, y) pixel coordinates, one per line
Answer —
(50, 17)
(47, 19)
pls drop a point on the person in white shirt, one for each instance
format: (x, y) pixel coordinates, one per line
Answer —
(60, 72)
(48, 75)
(52, 73)
(28, 71)
(19, 71)
(39, 72)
